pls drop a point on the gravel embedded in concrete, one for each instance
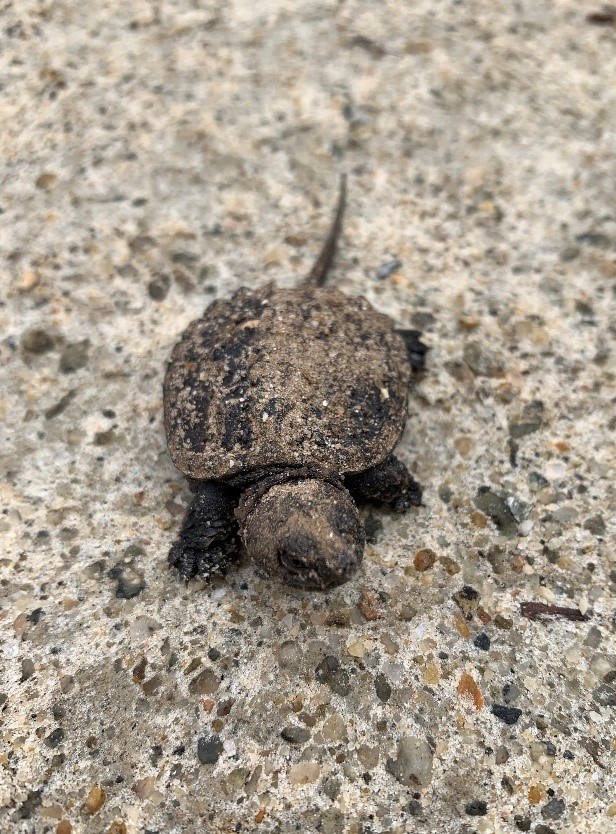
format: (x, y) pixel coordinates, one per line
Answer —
(158, 156)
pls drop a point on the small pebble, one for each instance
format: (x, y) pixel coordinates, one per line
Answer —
(508, 715)
(482, 641)
(413, 762)
(496, 507)
(604, 695)
(468, 600)
(206, 683)
(501, 755)
(388, 268)
(129, 578)
(330, 672)
(295, 735)
(476, 808)
(95, 800)
(74, 357)
(595, 525)
(382, 688)
(36, 341)
(304, 773)
(369, 605)
(209, 749)
(468, 686)
(529, 421)
(356, 649)
(424, 559)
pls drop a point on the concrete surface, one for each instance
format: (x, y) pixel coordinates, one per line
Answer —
(156, 155)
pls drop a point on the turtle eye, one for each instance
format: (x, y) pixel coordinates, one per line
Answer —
(296, 553)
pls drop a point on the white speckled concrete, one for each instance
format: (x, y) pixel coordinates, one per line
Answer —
(158, 154)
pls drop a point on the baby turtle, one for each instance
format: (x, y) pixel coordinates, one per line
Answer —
(282, 407)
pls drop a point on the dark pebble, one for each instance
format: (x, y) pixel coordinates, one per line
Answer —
(495, 507)
(213, 654)
(330, 672)
(104, 438)
(159, 287)
(482, 641)
(567, 754)
(209, 749)
(74, 357)
(537, 479)
(522, 823)
(130, 580)
(595, 525)
(508, 715)
(331, 788)
(476, 808)
(382, 688)
(58, 408)
(205, 683)
(530, 421)
(570, 253)
(481, 360)
(184, 257)
(544, 829)
(594, 239)
(55, 738)
(35, 616)
(468, 600)
(445, 493)
(604, 695)
(584, 308)
(152, 685)
(36, 341)
(414, 808)
(156, 754)
(29, 805)
(295, 735)
(554, 809)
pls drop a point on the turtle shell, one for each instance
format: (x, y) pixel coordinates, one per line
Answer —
(285, 377)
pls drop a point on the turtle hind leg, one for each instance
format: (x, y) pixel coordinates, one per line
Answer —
(415, 348)
(389, 483)
(207, 542)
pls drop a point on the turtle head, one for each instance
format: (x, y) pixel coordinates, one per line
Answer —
(306, 533)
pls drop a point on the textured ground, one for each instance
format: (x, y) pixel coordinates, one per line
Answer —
(156, 155)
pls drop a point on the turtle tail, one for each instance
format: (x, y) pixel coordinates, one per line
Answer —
(318, 274)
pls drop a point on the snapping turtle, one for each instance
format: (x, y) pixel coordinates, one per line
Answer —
(282, 407)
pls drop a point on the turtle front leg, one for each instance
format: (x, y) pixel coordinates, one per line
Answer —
(415, 348)
(208, 541)
(389, 482)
